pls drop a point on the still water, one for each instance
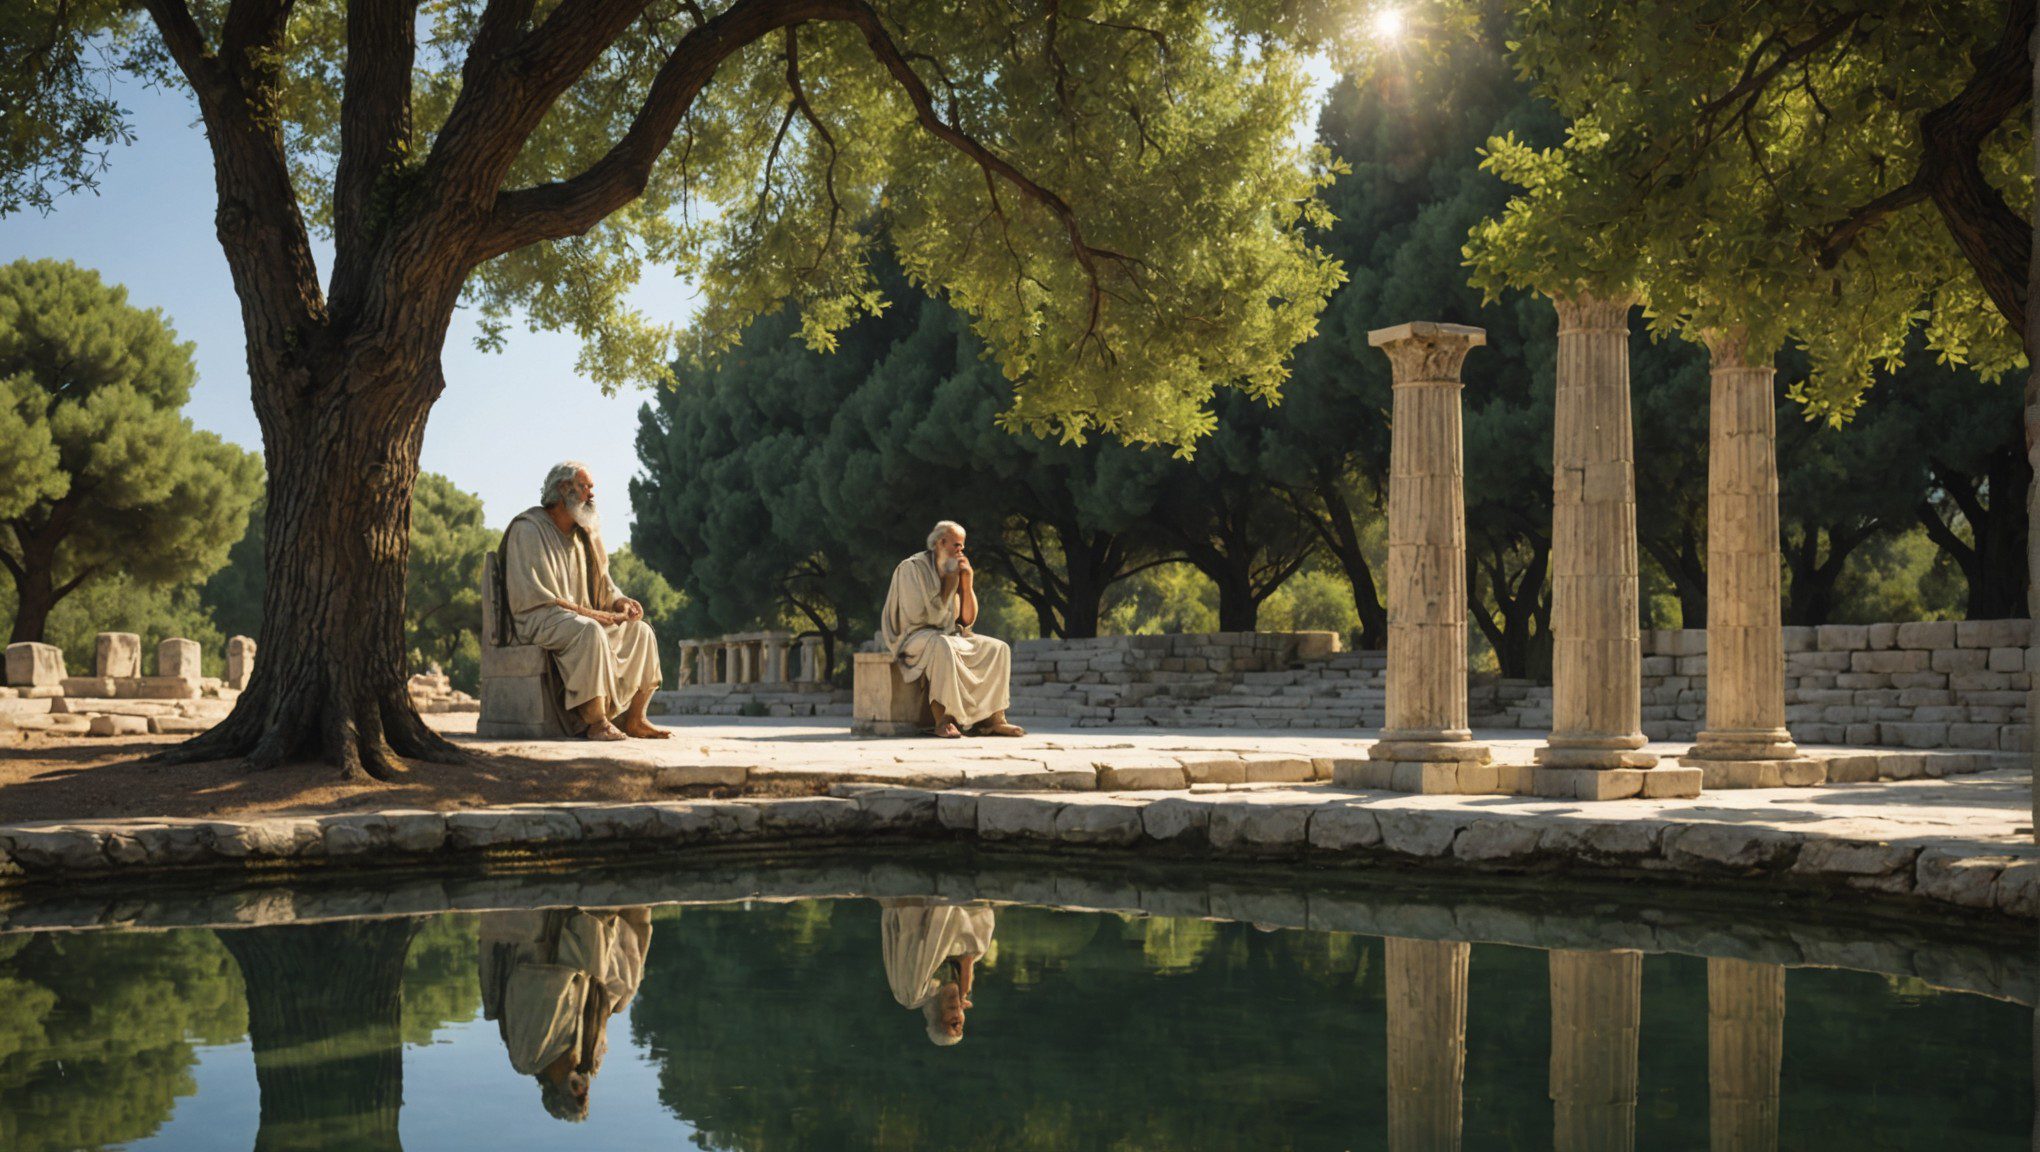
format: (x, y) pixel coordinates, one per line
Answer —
(912, 1024)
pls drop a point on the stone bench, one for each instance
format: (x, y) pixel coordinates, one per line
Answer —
(520, 698)
(882, 702)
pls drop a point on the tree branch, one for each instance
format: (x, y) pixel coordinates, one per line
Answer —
(375, 138)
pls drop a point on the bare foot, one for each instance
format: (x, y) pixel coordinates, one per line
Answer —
(605, 731)
(646, 730)
(1001, 730)
(948, 730)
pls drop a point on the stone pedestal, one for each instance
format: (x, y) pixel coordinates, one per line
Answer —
(1745, 639)
(1425, 744)
(1745, 1050)
(178, 658)
(885, 704)
(520, 698)
(1597, 657)
(34, 665)
(1426, 1043)
(117, 655)
(240, 662)
(1596, 1014)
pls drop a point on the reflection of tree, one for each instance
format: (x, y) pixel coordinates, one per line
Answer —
(97, 1032)
(439, 977)
(1073, 1043)
(325, 1015)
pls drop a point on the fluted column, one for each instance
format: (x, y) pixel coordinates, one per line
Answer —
(1426, 740)
(1596, 1013)
(687, 660)
(704, 663)
(1426, 1043)
(1745, 623)
(811, 660)
(1597, 654)
(1745, 1050)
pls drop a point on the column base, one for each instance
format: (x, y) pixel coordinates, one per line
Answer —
(1661, 783)
(1743, 744)
(1596, 752)
(1435, 777)
(1405, 746)
(1799, 772)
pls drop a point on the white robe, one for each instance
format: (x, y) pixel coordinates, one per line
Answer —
(540, 970)
(918, 936)
(970, 676)
(542, 566)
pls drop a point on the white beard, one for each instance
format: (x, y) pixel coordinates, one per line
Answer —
(585, 514)
(947, 565)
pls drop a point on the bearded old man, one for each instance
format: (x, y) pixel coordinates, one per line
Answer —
(926, 626)
(556, 581)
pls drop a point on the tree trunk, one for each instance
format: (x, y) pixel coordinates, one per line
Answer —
(1344, 541)
(35, 595)
(1999, 590)
(325, 1016)
(1239, 610)
(331, 682)
(1084, 603)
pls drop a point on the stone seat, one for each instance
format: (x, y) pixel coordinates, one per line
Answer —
(520, 697)
(883, 703)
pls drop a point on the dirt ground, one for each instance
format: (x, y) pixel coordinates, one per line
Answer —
(45, 777)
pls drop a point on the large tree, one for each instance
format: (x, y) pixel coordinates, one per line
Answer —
(1112, 192)
(101, 474)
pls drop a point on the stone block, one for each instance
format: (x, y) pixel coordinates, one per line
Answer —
(1175, 818)
(1278, 769)
(117, 654)
(2006, 660)
(1420, 832)
(1883, 636)
(89, 687)
(178, 658)
(1895, 660)
(1954, 876)
(1342, 828)
(1242, 826)
(512, 660)
(1098, 821)
(1993, 633)
(156, 688)
(1732, 846)
(1842, 637)
(107, 724)
(883, 702)
(34, 665)
(1666, 782)
(1017, 817)
(514, 707)
(240, 662)
(1587, 783)
(1214, 769)
(1496, 841)
(1141, 775)
(1799, 639)
(1927, 634)
(957, 811)
(1961, 659)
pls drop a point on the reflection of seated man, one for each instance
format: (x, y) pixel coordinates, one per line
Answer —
(551, 980)
(926, 627)
(556, 576)
(931, 954)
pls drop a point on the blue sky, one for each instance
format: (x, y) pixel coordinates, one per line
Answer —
(504, 418)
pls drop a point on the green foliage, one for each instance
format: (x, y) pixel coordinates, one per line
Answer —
(1315, 599)
(114, 480)
(234, 593)
(1715, 145)
(98, 1031)
(442, 593)
(1170, 598)
(121, 604)
(664, 605)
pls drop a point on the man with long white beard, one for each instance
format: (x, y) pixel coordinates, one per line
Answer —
(556, 578)
(926, 627)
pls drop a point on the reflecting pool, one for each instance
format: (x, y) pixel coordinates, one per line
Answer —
(917, 1022)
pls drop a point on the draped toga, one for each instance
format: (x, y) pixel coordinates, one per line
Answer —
(542, 565)
(968, 675)
(551, 980)
(920, 937)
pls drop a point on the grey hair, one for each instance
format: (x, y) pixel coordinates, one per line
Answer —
(561, 473)
(943, 528)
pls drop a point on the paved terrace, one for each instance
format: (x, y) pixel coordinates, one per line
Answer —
(1957, 843)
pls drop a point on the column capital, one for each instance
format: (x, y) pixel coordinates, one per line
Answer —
(1423, 351)
(1586, 312)
(1730, 346)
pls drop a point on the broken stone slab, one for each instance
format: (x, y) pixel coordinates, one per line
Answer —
(957, 811)
(2018, 889)
(1498, 841)
(117, 654)
(72, 704)
(1156, 774)
(178, 725)
(156, 688)
(1737, 847)
(1031, 778)
(263, 839)
(1420, 832)
(57, 849)
(1278, 769)
(1214, 769)
(112, 724)
(1823, 858)
(898, 809)
(1342, 828)
(81, 688)
(616, 821)
(1177, 818)
(1955, 876)
(1621, 842)
(34, 665)
(1099, 820)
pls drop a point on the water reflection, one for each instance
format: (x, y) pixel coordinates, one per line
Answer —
(551, 980)
(763, 1026)
(931, 953)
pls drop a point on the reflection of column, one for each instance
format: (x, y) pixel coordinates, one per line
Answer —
(1745, 636)
(1596, 656)
(1745, 1049)
(1596, 1010)
(1426, 1043)
(1426, 710)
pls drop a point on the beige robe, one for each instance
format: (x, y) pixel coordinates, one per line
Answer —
(540, 567)
(918, 935)
(970, 676)
(552, 979)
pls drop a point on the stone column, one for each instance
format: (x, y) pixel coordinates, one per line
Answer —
(1745, 1049)
(1425, 745)
(746, 669)
(776, 646)
(811, 660)
(1744, 742)
(1426, 1043)
(1596, 742)
(1596, 1013)
(686, 658)
(704, 663)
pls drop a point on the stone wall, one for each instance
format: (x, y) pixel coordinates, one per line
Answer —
(1940, 684)
(1217, 679)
